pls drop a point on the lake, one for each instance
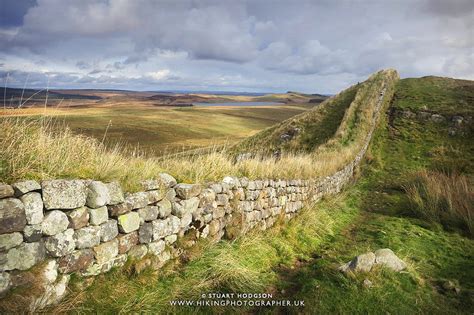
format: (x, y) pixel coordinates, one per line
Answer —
(238, 104)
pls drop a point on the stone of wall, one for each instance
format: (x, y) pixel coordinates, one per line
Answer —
(88, 227)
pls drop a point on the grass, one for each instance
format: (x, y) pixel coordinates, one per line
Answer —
(159, 130)
(33, 149)
(443, 95)
(442, 198)
(299, 260)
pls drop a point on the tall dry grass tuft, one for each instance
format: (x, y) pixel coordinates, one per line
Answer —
(39, 148)
(443, 198)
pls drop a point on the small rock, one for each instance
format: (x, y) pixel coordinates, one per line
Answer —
(78, 260)
(50, 271)
(170, 194)
(87, 237)
(170, 239)
(64, 194)
(151, 184)
(156, 248)
(129, 222)
(6, 191)
(10, 240)
(33, 233)
(118, 209)
(127, 241)
(145, 233)
(108, 230)
(167, 180)
(78, 218)
(60, 244)
(138, 251)
(164, 208)
(98, 216)
(97, 195)
(106, 251)
(4, 282)
(12, 215)
(24, 256)
(33, 207)
(115, 193)
(54, 222)
(367, 283)
(149, 213)
(24, 187)
(137, 200)
(154, 196)
(187, 191)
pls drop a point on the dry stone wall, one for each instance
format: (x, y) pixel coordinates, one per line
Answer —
(87, 227)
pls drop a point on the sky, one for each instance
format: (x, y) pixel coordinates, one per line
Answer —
(230, 45)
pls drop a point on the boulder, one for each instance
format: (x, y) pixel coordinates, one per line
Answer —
(98, 216)
(24, 187)
(78, 218)
(97, 195)
(164, 208)
(54, 222)
(10, 240)
(207, 197)
(129, 222)
(24, 256)
(149, 213)
(387, 258)
(106, 251)
(127, 241)
(108, 230)
(60, 244)
(362, 263)
(33, 204)
(6, 191)
(145, 233)
(32, 233)
(167, 180)
(78, 260)
(87, 237)
(115, 193)
(187, 191)
(64, 194)
(12, 215)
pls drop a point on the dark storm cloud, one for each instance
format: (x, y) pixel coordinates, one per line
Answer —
(302, 44)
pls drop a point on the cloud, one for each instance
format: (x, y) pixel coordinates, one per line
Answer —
(313, 46)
